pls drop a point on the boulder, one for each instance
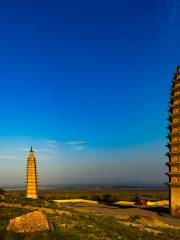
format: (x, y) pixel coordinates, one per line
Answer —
(36, 221)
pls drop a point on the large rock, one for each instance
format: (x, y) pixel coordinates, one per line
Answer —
(32, 222)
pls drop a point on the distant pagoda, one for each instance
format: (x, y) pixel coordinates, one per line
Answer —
(174, 146)
(31, 179)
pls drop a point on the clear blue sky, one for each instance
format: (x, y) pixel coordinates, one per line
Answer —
(91, 75)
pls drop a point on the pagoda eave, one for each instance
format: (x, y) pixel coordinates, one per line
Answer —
(173, 174)
(177, 185)
(173, 154)
(175, 124)
(173, 164)
(173, 144)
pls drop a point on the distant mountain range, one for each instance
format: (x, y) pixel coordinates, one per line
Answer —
(88, 186)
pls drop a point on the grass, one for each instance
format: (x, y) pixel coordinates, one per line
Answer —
(81, 226)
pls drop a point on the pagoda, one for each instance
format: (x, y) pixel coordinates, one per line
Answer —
(174, 146)
(31, 178)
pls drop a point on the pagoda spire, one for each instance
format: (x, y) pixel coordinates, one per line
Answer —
(31, 179)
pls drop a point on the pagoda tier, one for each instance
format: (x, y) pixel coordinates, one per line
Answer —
(31, 179)
(174, 146)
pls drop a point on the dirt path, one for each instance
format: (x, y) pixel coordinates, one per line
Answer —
(125, 213)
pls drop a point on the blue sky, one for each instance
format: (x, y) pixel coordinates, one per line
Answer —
(92, 77)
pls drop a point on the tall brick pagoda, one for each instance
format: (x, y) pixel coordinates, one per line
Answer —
(31, 178)
(174, 146)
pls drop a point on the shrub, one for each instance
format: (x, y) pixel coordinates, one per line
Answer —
(2, 191)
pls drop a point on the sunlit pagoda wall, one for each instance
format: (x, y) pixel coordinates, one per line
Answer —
(174, 146)
(31, 180)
